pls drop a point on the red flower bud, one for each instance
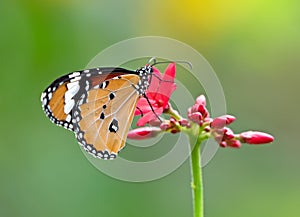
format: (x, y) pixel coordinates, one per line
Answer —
(234, 143)
(218, 122)
(143, 133)
(203, 110)
(201, 100)
(173, 121)
(184, 123)
(223, 144)
(229, 119)
(219, 139)
(155, 122)
(165, 125)
(195, 117)
(207, 129)
(222, 121)
(228, 133)
(175, 131)
(255, 137)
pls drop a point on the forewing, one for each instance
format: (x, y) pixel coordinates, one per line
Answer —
(60, 97)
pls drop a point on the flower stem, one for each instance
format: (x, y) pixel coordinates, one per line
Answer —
(173, 112)
(197, 186)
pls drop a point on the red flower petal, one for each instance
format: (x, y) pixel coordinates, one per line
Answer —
(155, 81)
(158, 94)
(143, 106)
(170, 73)
(150, 116)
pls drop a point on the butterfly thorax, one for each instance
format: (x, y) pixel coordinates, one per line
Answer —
(145, 74)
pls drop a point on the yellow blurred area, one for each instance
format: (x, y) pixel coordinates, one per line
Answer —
(193, 18)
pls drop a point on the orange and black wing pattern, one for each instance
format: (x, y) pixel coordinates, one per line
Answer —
(97, 105)
(58, 99)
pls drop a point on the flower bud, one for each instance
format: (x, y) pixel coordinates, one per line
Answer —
(173, 131)
(201, 100)
(203, 110)
(219, 139)
(255, 137)
(218, 123)
(228, 133)
(195, 117)
(207, 129)
(222, 121)
(155, 123)
(184, 123)
(173, 121)
(143, 133)
(165, 125)
(234, 143)
(223, 144)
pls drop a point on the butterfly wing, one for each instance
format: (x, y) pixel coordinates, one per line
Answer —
(60, 97)
(103, 115)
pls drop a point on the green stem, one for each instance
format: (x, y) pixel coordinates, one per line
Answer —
(197, 180)
(173, 113)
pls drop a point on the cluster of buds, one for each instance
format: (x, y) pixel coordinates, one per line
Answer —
(198, 113)
(211, 127)
(218, 127)
(158, 126)
(223, 135)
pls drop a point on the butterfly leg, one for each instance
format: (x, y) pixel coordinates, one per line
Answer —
(144, 95)
(142, 114)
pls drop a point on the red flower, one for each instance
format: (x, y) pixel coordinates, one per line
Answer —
(158, 93)
(254, 137)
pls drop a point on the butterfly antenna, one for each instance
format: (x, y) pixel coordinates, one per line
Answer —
(153, 59)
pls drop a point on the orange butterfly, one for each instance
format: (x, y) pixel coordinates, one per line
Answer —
(97, 105)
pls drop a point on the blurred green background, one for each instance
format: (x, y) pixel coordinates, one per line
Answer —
(253, 47)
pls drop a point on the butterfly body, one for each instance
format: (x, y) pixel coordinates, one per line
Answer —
(97, 105)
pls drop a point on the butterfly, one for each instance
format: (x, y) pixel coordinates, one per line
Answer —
(98, 105)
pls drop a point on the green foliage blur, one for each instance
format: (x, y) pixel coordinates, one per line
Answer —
(253, 47)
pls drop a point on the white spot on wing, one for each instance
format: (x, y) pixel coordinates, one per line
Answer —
(74, 74)
(69, 105)
(43, 96)
(68, 118)
(73, 88)
(75, 79)
(72, 84)
(49, 96)
(44, 101)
